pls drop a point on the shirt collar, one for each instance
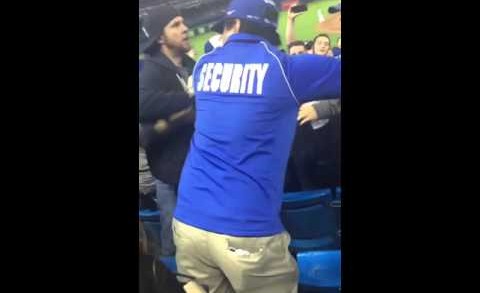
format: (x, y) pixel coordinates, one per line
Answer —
(244, 37)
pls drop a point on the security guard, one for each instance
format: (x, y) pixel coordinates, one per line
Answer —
(227, 227)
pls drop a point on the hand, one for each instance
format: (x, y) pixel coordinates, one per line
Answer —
(161, 126)
(306, 114)
(292, 15)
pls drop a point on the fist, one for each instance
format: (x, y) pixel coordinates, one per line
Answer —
(306, 114)
(161, 126)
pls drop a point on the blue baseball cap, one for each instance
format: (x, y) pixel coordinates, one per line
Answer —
(261, 12)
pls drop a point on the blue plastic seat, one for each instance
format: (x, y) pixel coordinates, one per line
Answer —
(149, 215)
(170, 263)
(295, 200)
(323, 243)
(311, 222)
(320, 269)
(338, 193)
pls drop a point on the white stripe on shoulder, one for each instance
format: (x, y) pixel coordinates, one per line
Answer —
(283, 72)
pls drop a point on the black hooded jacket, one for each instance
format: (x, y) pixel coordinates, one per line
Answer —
(161, 95)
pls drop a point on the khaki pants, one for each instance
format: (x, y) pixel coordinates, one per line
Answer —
(228, 264)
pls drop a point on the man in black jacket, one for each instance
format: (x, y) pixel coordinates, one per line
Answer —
(316, 149)
(165, 109)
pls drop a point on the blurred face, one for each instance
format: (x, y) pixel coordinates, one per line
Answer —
(175, 35)
(321, 46)
(295, 50)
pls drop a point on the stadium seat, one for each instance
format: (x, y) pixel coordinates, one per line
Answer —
(312, 219)
(311, 222)
(170, 263)
(338, 192)
(308, 289)
(151, 223)
(152, 229)
(322, 243)
(149, 215)
(320, 269)
(295, 200)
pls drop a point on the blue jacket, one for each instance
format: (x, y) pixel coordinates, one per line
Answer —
(337, 52)
(247, 99)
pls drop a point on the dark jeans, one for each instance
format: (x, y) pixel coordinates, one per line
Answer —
(166, 202)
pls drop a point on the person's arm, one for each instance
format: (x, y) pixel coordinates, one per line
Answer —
(158, 104)
(290, 26)
(327, 108)
(314, 77)
(181, 118)
(332, 25)
(314, 111)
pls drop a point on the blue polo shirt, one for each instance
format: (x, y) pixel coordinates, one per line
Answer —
(247, 98)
